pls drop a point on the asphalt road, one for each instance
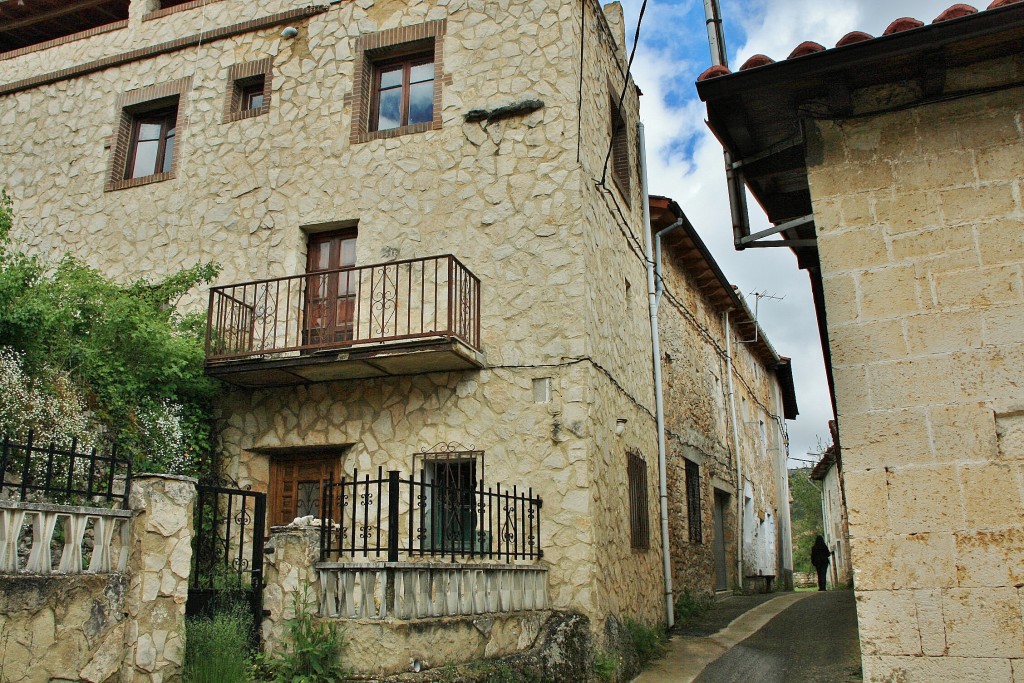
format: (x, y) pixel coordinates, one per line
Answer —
(813, 641)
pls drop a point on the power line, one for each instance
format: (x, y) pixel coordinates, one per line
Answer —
(625, 86)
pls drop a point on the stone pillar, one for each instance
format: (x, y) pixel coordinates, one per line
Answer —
(159, 563)
(286, 569)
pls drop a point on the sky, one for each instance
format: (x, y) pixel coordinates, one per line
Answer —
(685, 160)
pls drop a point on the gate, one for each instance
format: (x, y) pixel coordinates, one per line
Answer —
(227, 551)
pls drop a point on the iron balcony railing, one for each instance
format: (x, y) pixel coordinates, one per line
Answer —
(382, 517)
(415, 299)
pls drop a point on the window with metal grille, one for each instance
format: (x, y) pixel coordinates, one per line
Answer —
(693, 502)
(639, 514)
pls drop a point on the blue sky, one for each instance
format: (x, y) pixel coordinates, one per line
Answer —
(686, 161)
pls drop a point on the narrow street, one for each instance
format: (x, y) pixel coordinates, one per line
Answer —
(792, 638)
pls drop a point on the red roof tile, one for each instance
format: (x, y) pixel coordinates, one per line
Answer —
(807, 47)
(757, 60)
(902, 24)
(853, 37)
(955, 12)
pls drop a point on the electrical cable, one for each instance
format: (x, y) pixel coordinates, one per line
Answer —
(625, 85)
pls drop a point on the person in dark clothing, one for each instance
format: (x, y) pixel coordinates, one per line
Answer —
(820, 556)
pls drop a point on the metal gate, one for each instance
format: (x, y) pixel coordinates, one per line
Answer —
(227, 551)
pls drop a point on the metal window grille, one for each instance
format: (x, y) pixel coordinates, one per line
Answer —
(693, 502)
(639, 512)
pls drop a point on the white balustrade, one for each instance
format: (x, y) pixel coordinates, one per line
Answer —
(107, 525)
(381, 590)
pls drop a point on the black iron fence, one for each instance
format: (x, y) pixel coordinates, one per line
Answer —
(33, 472)
(385, 516)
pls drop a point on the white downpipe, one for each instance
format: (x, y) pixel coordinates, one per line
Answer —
(736, 451)
(659, 407)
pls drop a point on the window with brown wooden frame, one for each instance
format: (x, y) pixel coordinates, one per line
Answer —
(249, 89)
(403, 92)
(620, 164)
(639, 511)
(151, 150)
(398, 80)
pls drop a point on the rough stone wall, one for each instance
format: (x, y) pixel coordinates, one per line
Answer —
(919, 221)
(699, 421)
(159, 562)
(834, 518)
(68, 627)
(509, 198)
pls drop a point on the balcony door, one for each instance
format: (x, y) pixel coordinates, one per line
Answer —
(330, 297)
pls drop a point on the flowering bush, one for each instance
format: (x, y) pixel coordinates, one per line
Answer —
(84, 357)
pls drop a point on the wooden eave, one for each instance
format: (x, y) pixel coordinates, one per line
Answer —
(37, 21)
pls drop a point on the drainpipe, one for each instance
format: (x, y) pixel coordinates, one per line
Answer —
(653, 297)
(736, 452)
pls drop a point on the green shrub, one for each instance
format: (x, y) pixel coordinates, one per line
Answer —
(689, 606)
(311, 652)
(648, 641)
(606, 665)
(217, 647)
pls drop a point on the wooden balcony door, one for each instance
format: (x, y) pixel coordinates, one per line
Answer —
(331, 297)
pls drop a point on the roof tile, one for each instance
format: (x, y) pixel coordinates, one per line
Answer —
(807, 47)
(902, 24)
(713, 72)
(854, 37)
(755, 61)
(1003, 3)
(955, 12)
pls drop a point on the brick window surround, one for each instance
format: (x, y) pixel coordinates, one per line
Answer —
(373, 48)
(239, 77)
(136, 102)
(179, 7)
(620, 166)
(639, 511)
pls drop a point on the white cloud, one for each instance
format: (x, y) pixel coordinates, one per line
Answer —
(685, 160)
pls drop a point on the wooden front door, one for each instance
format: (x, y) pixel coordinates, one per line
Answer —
(297, 484)
(331, 297)
(718, 542)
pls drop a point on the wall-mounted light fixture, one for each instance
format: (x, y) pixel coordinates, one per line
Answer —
(290, 32)
(620, 426)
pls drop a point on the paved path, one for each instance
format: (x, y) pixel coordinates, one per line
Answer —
(792, 638)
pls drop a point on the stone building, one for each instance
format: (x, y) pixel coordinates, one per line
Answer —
(728, 395)
(828, 472)
(425, 214)
(892, 166)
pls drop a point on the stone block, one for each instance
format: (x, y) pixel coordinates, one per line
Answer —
(887, 623)
(840, 298)
(989, 373)
(857, 210)
(947, 169)
(983, 622)
(912, 245)
(852, 250)
(990, 558)
(888, 292)
(859, 343)
(999, 163)
(895, 669)
(1010, 436)
(851, 389)
(943, 332)
(920, 381)
(929, 622)
(979, 288)
(924, 499)
(908, 211)
(962, 433)
(876, 439)
(1001, 241)
(866, 501)
(992, 497)
(970, 204)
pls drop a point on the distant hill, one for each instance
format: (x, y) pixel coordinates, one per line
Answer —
(805, 512)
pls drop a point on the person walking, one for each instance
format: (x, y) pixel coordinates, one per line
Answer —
(820, 556)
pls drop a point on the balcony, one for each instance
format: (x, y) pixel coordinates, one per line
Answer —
(397, 318)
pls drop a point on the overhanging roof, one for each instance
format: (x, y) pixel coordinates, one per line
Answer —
(29, 22)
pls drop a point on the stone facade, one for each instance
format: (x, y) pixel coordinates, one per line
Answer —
(110, 626)
(919, 221)
(514, 199)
